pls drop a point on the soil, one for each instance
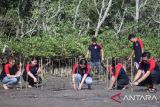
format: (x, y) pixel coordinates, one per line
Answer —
(57, 92)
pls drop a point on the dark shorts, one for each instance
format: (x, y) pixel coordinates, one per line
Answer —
(30, 80)
(153, 78)
(121, 83)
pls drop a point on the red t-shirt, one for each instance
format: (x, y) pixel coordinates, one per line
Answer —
(32, 69)
(28, 67)
(9, 69)
(152, 65)
(141, 43)
(76, 67)
(118, 67)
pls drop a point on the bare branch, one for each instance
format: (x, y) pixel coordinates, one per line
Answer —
(58, 10)
(76, 13)
(154, 13)
(121, 24)
(143, 4)
(101, 20)
(95, 3)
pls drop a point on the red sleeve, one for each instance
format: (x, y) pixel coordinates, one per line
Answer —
(152, 65)
(7, 69)
(141, 43)
(118, 68)
(99, 46)
(28, 68)
(88, 69)
(74, 68)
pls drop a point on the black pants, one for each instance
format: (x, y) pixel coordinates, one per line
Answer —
(30, 80)
(121, 83)
(153, 78)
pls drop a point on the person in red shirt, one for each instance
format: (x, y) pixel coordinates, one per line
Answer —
(138, 49)
(31, 73)
(118, 73)
(81, 74)
(10, 74)
(147, 73)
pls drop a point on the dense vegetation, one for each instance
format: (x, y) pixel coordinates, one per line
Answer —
(65, 27)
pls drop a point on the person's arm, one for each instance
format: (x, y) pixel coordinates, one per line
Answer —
(142, 50)
(83, 79)
(11, 76)
(32, 76)
(74, 76)
(112, 82)
(102, 54)
(142, 78)
(74, 81)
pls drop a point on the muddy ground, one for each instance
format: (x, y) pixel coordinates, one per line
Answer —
(57, 92)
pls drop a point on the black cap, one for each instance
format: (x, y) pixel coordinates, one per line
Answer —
(83, 62)
(131, 36)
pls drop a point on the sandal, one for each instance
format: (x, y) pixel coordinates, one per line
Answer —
(152, 90)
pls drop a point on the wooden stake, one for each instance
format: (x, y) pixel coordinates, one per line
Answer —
(21, 72)
(115, 70)
(107, 72)
(132, 74)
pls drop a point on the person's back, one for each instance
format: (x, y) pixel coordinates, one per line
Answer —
(122, 74)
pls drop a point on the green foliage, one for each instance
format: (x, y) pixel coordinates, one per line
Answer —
(51, 31)
(73, 45)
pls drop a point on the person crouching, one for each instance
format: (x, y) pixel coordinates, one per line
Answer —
(31, 72)
(117, 73)
(80, 74)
